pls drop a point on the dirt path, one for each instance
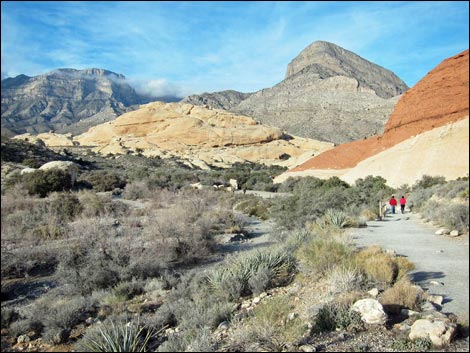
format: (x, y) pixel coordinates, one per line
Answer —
(437, 258)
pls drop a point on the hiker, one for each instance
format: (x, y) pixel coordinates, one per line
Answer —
(393, 203)
(402, 204)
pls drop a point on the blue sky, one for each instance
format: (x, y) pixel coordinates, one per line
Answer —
(193, 47)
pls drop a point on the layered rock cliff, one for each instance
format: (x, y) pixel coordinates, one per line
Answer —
(203, 137)
(440, 99)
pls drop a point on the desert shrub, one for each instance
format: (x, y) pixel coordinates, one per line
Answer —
(103, 180)
(379, 268)
(115, 337)
(9, 315)
(94, 205)
(254, 207)
(428, 181)
(137, 190)
(344, 279)
(65, 205)
(406, 345)
(43, 182)
(268, 328)
(28, 262)
(335, 218)
(129, 289)
(322, 255)
(402, 294)
(311, 198)
(336, 315)
(86, 268)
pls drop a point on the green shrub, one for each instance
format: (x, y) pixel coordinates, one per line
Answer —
(103, 180)
(322, 255)
(427, 181)
(43, 182)
(336, 315)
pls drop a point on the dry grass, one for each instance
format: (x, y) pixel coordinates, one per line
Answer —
(381, 267)
(402, 294)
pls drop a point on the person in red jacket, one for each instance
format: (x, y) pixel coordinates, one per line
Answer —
(393, 203)
(402, 204)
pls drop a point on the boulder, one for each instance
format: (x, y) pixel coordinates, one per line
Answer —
(439, 331)
(371, 311)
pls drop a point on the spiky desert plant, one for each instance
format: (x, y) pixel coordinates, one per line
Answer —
(336, 218)
(117, 337)
(279, 263)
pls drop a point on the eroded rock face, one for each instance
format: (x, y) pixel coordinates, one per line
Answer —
(66, 100)
(329, 94)
(439, 101)
(204, 137)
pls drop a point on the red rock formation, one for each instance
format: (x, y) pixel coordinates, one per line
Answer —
(441, 97)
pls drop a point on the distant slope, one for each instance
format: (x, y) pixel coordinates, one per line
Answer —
(66, 100)
(439, 99)
(329, 94)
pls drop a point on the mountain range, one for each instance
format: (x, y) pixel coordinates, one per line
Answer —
(66, 100)
(328, 94)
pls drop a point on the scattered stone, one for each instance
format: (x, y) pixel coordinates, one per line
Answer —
(224, 325)
(408, 312)
(89, 321)
(292, 316)
(436, 283)
(442, 231)
(454, 233)
(263, 295)
(435, 299)
(374, 292)
(440, 332)
(245, 305)
(308, 348)
(23, 339)
(391, 252)
(371, 311)
(61, 336)
(256, 300)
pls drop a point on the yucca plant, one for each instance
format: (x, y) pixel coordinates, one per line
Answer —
(117, 337)
(336, 218)
(243, 268)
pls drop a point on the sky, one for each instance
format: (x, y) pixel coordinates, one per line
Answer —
(181, 48)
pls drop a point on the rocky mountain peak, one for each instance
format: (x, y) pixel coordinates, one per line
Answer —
(325, 57)
(91, 72)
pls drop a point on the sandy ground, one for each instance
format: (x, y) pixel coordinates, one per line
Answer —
(437, 258)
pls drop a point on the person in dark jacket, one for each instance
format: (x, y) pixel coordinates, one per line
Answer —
(402, 204)
(393, 203)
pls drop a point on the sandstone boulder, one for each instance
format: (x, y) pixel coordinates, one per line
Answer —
(439, 331)
(371, 311)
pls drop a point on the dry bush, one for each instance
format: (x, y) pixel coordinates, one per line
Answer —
(381, 267)
(402, 294)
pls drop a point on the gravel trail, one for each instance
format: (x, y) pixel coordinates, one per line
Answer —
(441, 262)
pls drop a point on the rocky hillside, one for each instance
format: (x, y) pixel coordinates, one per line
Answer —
(329, 94)
(439, 100)
(203, 137)
(66, 100)
(226, 100)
